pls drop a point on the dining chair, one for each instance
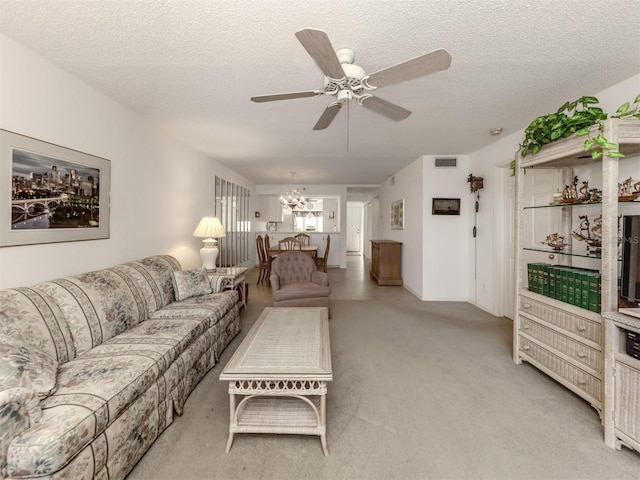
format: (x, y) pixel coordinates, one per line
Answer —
(263, 260)
(289, 243)
(321, 262)
(303, 238)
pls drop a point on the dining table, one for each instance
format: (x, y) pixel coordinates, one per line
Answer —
(311, 250)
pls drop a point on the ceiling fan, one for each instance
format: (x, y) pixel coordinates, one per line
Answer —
(346, 81)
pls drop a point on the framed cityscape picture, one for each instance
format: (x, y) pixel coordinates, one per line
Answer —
(50, 193)
(397, 215)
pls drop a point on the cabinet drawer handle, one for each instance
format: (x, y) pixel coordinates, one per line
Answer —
(526, 326)
(582, 355)
(526, 306)
(526, 348)
(582, 328)
(582, 383)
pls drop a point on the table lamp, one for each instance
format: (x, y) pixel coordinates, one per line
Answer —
(210, 229)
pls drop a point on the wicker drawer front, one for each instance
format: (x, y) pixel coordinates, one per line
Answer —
(584, 354)
(579, 378)
(568, 321)
(628, 400)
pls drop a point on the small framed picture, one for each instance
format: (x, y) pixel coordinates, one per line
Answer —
(397, 215)
(445, 206)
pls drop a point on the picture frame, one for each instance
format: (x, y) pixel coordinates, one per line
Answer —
(50, 193)
(445, 206)
(397, 215)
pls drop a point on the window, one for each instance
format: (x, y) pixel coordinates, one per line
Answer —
(232, 208)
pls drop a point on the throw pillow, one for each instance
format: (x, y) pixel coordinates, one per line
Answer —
(23, 366)
(190, 283)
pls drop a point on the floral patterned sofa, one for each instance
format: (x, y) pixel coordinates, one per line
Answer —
(93, 366)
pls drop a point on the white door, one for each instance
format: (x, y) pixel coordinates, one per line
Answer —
(354, 227)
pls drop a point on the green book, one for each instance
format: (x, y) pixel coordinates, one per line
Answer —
(584, 280)
(552, 280)
(564, 285)
(558, 293)
(577, 288)
(530, 274)
(594, 292)
(571, 286)
(545, 279)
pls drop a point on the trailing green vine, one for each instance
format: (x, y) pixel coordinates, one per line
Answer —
(577, 117)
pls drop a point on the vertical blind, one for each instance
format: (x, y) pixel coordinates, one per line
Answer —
(232, 208)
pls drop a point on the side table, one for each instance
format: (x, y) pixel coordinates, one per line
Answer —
(230, 278)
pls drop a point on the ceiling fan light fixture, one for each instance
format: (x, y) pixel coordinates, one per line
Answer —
(293, 198)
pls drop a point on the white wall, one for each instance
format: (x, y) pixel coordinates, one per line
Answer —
(407, 185)
(445, 238)
(159, 187)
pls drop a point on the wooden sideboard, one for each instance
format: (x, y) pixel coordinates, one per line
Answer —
(386, 261)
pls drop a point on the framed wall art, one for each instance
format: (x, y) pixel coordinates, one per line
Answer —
(397, 215)
(445, 206)
(50, 193)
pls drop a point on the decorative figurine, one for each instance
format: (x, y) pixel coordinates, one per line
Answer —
(570, 192)
(628, 191)
(555, 241)
(591, 235)
(589, 195)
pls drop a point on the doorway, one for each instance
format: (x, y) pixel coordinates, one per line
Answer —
(355, 228)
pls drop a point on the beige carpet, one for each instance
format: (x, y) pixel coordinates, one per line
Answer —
(421, 390)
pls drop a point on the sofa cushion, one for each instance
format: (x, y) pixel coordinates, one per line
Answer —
(294, 291)
(97, 305)
(211, 307)
(153, 277)
(190, 283)
(22, 365)
(34, 317)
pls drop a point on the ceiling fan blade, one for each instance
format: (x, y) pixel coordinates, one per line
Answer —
(317, 44)
(285, 96)
(327, 116)
(388, 109)
(424, 65)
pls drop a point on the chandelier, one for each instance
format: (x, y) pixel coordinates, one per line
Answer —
(293, 198)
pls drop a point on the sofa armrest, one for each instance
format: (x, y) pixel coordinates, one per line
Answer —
(19, 409)
(321, 278)
(275, 282)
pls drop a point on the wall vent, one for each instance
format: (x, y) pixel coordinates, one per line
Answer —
(446, 162)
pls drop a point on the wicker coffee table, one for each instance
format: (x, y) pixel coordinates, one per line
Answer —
(278, 376)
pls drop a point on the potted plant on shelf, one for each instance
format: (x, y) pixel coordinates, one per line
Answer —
(577, 117)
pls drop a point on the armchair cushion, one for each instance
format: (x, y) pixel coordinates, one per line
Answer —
(298, 290)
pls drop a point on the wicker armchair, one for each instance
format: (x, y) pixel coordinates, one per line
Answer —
(296, 283)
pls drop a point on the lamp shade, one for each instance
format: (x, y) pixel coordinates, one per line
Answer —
(209, 227)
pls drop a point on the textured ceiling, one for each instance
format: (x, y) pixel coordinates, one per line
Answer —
(191, 66)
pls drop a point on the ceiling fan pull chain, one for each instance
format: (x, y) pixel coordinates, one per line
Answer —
(348, 122)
